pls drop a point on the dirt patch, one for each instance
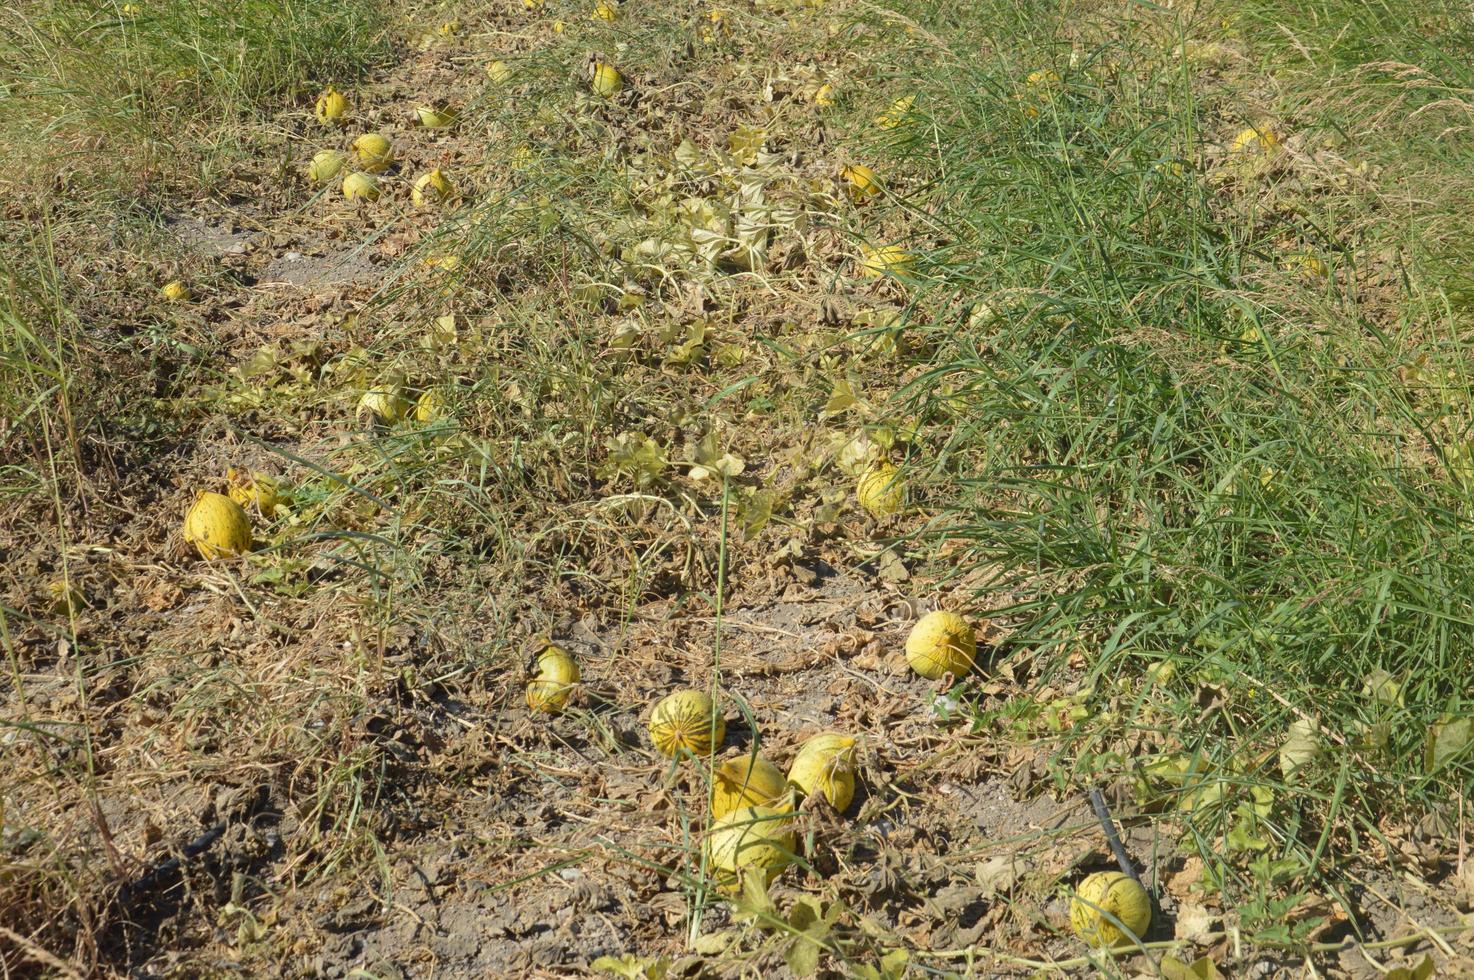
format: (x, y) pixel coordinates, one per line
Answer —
(294, 268)
(213, 239)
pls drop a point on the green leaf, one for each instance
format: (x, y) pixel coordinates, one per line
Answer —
(707, 450)
(633, 967)
(1301, 747)
(1447, 738)
(727, 466)
(745, 142)
(832, 506)
(1372, 737)
(1421, 971)
(802, 956)
(841, 397)
(259, 364)
(1201, 968)
(754, 512)
(893, 964)
(807, 915)
(753, 904)
(811, 922)
(1383, 688)
(715, 943)
(1243, 838)
(1277, 872)
(636, 456)
(690, 350)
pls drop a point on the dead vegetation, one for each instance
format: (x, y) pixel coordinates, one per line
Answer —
(657, 368)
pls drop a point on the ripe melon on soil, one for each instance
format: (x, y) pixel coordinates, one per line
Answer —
(217, 526)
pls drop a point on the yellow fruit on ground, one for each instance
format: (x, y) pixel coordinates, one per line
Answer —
(254, 490)
(1106, 896)
(756, 838)
(826, 765)
(1041, 83)
(1254, 140)
(448, 28)
(331, 106)
(1305, 264)
(375, 153)
(359, 186)
(431, 117)
(606, 79)
(432, 188)
(861, 184)
(941, 643)
(824, 96)
(325, 165)
(881, 491)
(430, 406)
(886, 260)
(606, 11)
(176, 292)
(445, 263)
(385, 404)
(717, 27)
(1172, 169)
(131, 10)
(747, 780)
(687, 721)
(533, 4)
(898, 112)
(66, 600)
(499, 72)
(553, 684)
(217, 526)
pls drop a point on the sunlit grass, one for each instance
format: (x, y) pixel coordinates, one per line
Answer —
(1168, 446)
(106, 101)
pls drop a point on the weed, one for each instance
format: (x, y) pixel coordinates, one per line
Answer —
(1173, 457)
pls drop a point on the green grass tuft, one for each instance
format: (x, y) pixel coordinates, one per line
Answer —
(95, 96)
(1174, 448)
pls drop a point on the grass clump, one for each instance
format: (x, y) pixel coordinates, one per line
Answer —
(1177, 446)
(100, 95)
(107, 109)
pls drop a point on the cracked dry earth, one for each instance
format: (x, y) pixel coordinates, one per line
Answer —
(338, 721)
